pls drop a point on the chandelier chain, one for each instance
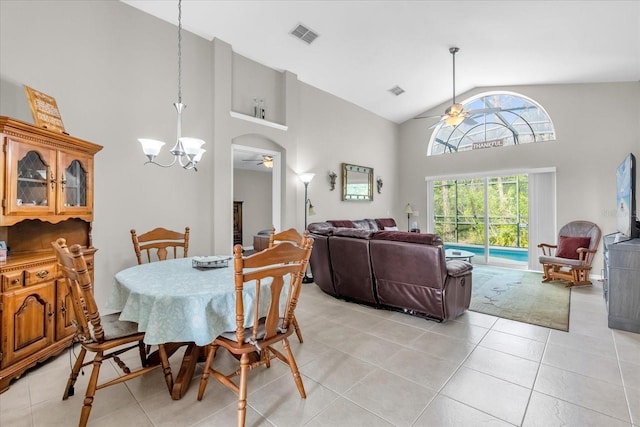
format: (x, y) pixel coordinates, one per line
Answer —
(180, 51)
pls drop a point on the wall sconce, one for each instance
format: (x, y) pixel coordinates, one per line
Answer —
(408, 210)
(332, 180)
(379, 185)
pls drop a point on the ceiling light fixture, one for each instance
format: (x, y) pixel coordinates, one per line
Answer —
(187, 151)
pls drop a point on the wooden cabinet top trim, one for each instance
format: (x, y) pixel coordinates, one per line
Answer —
(57, 140)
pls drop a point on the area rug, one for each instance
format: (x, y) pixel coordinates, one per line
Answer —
(520, 295)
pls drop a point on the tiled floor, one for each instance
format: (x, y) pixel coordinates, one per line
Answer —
(367, 367)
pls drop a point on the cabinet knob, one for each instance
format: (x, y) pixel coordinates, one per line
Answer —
(15, 281)
(42, 274)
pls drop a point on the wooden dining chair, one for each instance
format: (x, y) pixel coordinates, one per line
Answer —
(290, 235)
(158, 243)
(106, 336)
(268, 272)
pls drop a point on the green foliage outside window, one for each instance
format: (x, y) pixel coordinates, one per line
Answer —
(459, 209)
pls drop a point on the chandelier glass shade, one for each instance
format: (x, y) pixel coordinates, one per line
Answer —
(186, 152)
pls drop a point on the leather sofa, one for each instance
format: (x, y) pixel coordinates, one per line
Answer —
(368, 262)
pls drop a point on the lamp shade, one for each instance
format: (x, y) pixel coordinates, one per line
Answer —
(151, 147)
(191, 146)
(408, 209)
(306, 177)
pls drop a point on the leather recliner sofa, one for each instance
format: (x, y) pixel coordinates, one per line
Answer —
(365, 262)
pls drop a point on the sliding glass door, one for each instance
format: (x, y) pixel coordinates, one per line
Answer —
(487, 216)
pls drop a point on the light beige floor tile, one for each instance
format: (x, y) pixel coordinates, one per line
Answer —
(446, 412)
(444, 347)
(58, 412)
(459, 330)
(370, 348)
(281, 404)
(587, 392)
(337, 371)
(403, 364)
(428, 371)
(478, 319)
(228, 416)
(630, 374)
(391, 397)
(396, 332)
(129, 415)
(633, 399)
(344, 413)
(627, 345)
(350, 316)
(590, 325)
(599, 346)
(502, 399)
(415, 321)
(17, 397)
(504, 366)
(514, 345)
(580, 362)
(15, 417)
(309, 350)
(163, 411)
(545, 411)
(524, 330)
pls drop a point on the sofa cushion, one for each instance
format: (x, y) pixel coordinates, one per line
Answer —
(342, 223)
(568, 246)
(391, 229)
(358, 233)
(373, 225)
(385, 222)
(404, 236)
(362, 224)
(322, 228)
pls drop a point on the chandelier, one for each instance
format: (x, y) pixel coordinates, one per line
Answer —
(187, 151)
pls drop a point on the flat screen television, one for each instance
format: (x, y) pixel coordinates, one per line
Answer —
(626, 216)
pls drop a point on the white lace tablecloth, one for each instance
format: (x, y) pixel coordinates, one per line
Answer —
(173, 302)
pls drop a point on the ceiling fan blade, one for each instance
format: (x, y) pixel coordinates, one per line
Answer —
(468, 120)
(428, 117)
(435, 124)
(483, 111)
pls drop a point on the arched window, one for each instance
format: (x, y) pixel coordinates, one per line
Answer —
(519, 120)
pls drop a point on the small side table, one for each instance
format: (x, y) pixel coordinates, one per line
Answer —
(458, 254)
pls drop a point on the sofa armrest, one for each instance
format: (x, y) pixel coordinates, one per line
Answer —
(457, 268)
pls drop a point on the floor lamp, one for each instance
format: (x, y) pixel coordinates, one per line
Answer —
(306, 179)
(408, 210)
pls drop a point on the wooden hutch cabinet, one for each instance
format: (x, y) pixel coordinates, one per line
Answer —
(47, 192)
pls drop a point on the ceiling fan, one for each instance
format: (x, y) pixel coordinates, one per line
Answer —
(455, 114)
(267, 161)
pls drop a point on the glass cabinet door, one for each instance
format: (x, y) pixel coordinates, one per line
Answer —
(75, 190)
(31, 183)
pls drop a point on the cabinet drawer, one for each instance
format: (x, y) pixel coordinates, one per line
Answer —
(14, 280)
(40, 274)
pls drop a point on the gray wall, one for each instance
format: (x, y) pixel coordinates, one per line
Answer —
(596, 125)
(254, 189)
(113, 72)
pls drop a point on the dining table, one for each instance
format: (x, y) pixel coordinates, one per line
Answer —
(177, 304)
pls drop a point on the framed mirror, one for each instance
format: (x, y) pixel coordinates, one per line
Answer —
(357, 183)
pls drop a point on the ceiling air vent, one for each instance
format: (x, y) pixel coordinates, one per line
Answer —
(396, 90)
(304, 34)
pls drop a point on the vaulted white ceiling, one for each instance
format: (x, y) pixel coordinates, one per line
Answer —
(365, 48)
